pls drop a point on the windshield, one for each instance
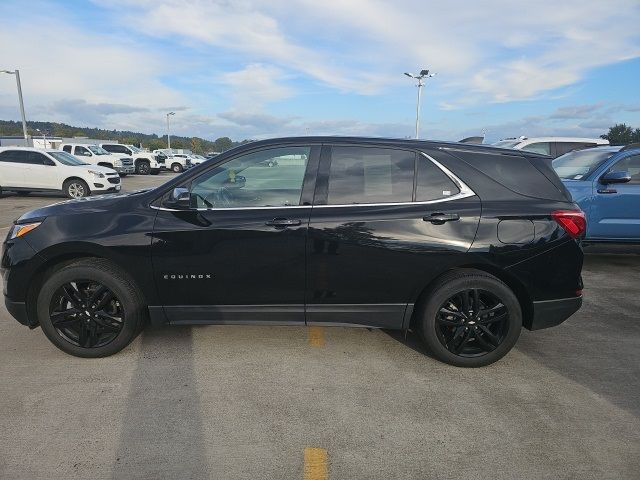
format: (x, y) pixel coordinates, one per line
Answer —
(134, 149)
(98, 150)
(579, 164)
(506, 143)
(66, 159)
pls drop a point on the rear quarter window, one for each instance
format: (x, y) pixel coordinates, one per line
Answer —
(518, 174)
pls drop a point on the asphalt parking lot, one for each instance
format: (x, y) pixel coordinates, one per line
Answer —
(292, 402)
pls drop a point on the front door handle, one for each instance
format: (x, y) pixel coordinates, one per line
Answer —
(440, 218)
(283, 222)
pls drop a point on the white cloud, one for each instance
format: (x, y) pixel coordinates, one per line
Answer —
(495, 50)
(256, 85)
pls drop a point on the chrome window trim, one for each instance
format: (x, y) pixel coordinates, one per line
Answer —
(465, 192)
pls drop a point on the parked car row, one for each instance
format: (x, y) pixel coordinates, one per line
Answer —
(82, 169)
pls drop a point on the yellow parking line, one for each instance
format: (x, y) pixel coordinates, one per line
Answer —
(316, 336)
(315, 464)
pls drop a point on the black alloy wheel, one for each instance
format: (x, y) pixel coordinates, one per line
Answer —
(90, 308)
(143, 168)
(86, 314)
(469, 318)
(472, 323)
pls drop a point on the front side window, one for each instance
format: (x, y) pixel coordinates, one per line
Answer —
(370, 175)
(630, 165)
(248, 181)
(35, 158)
(538, 147)
(98, 150)
(67, 148)
(83, 152)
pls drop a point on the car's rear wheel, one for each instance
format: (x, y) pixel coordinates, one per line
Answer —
(90, 308)
(470, 319)
(76, 188)
(176, 167)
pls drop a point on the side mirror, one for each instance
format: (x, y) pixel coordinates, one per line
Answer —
(179, 198)
(615, 177)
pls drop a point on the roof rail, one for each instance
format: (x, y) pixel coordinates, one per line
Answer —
(631, 146)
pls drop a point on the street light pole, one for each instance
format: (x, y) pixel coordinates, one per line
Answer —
(24, 119)
(423, 74)
(168, 133)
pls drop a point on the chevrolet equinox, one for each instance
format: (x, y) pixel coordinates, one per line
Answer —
(464, 244)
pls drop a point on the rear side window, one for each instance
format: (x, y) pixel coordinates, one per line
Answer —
(370, 175)
(432, 183)
(13, 156)
(67, 148)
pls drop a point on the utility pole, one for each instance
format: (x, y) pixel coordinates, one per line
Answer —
(24, 119)
(168, 132)
(424, 74)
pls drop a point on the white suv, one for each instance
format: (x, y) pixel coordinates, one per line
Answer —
(25, 170)
(123, 164)
(553, 146)
(145, 162)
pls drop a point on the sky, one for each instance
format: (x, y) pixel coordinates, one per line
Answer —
(257, 69)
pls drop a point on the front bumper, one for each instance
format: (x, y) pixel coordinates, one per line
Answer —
(549, 313)
(124, 169)
(18, 310)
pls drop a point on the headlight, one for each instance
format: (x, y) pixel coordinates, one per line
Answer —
(23, 229)
(117, 162)
(97, 174)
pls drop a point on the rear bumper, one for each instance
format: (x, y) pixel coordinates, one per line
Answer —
(550, 313)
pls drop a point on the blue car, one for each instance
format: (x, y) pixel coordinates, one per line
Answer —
(605, 182)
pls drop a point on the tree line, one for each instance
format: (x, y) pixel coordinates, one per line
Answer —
(150, 141)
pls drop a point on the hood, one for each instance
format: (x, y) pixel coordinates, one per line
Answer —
(93, 204)
(97, 168)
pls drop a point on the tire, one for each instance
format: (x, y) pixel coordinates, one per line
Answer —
(76, 188)
(126, 303)
(122, 175)
(462, 338)
(143, 167)
(155, 171)
(176, 167)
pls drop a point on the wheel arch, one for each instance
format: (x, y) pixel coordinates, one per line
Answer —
(58, 259)
(516, 286)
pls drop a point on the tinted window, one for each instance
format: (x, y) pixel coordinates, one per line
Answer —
(538, 147)
(631, 165)
(248, 181)
(370, 175)
(14, 156)
(115, 149)
(35, 158)
(432, 183)
(564, 147)
(67, 148)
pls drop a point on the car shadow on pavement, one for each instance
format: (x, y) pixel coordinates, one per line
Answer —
(161, 433)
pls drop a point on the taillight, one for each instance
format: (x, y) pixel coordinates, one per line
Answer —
(573, 221)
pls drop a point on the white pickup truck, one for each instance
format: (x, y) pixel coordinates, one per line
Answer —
(144, 162)
(177, 162)
(95, 155)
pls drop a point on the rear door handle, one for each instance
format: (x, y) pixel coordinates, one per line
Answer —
(440, 218)
(283, 222)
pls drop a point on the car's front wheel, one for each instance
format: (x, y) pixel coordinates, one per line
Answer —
(143, 168)
(176, 167)
(90, 308)
(76, 188)
(470, 319)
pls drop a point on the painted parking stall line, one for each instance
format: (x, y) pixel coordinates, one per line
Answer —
(315, 464)
(316, 336)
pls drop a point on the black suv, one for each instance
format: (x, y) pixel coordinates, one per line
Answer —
(464, 244)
